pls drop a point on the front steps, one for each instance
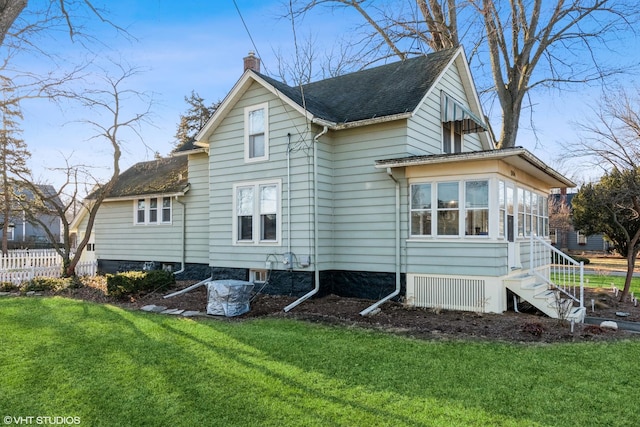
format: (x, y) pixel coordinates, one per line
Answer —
(537, 293)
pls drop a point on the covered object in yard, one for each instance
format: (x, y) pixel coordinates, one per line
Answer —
(228, 297)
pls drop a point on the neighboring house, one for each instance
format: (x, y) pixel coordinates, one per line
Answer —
(31, 234)
(361, 185)
(569, 239)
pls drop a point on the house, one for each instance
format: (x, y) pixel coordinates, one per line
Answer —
(563, 235)
(383, 183)
(141, 223)
(24, 233)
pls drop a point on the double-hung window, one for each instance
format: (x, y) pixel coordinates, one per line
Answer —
(581, 238)
(448, 209)
(153, 210)
(146, 211)
(256, 132)
(421, 210)
(476, 208)
(452, 137)
(257, 212)
(141, 211)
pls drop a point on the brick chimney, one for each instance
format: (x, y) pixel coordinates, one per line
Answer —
(252, 62)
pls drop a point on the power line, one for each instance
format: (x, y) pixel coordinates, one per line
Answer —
(253, 43)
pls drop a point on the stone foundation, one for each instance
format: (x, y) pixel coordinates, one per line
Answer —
(353, 284)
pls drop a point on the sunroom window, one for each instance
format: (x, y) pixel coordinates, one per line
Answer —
(421, 210)
(477, 208)
(448, 209)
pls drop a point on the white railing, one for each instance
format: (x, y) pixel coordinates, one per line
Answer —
(557, 269)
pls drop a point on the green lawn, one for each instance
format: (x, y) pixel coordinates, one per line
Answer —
(109, 366)
(605, 281)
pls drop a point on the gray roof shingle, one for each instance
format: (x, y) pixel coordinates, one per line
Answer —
(161, 176)
(386, 90)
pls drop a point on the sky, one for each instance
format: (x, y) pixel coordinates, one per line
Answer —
(198, 46)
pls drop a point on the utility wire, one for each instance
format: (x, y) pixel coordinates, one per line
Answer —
(253, 43)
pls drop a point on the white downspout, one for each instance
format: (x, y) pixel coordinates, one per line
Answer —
(397, 291)
(289, 193)
(316, 240)
(184, 236)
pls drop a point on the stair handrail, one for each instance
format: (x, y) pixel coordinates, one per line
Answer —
(563, 270)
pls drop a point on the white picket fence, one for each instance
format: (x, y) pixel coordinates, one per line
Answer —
(23, 265)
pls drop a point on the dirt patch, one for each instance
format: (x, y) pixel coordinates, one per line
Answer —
(394, 317)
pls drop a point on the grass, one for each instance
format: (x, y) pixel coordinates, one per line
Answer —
(606, 281)
(110, 366)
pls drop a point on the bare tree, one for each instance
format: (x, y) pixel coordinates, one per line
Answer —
(13, 158)
(528, 44)
(9, 12)
(560, 219)
(611, 206)
(111, 99)
(19, 20)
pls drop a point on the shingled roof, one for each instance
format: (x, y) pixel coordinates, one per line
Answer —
(386, 90)
(161, 176)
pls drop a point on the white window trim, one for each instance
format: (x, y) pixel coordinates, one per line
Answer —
(581, 238)
(494, 209)
(147, 208)
(264, 106)
(461, 209)
(255, 241)
(258, 276)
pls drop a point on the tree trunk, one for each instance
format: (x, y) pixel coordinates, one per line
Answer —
(510, 119)
(631, 263)
(9, 12)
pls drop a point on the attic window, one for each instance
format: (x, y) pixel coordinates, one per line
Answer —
(452, 137)
(256, 133)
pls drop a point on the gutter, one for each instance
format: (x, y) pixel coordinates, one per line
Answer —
(372, 121)
(184, 236)
(395, 293)
(316, 240)
(150, 195)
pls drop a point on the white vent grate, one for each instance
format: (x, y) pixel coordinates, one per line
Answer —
(448, 293)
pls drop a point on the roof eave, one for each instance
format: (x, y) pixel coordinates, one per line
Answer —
(557, 179)
(371, 121)
(194, 151)
(182, 192)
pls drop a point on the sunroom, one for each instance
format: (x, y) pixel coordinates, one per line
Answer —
(469, 220)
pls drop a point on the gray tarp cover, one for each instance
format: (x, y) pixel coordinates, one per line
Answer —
(228, 297)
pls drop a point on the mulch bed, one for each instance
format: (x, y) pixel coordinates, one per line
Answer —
(393, 317)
